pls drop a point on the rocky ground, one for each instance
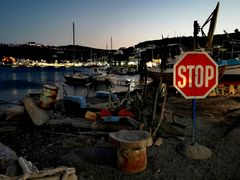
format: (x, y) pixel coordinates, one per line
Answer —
(93, 157)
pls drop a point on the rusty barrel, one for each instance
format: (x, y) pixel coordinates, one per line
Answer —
(131, 153)
(132, 160)
(48, 96)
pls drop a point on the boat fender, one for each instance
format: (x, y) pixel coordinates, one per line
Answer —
(104, 113)
(125, 112)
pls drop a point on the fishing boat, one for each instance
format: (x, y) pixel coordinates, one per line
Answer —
(126, 71)
(166, 73)
(76, 78)
(174, 54)
(84, 75)
(232, 71)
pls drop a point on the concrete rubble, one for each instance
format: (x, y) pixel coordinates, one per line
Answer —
(14, 168)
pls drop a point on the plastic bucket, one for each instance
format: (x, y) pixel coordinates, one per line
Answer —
(48, 96)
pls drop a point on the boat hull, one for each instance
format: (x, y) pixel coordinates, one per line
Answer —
(155, 74)
(76, 81)
(231, 75)
(167, 75)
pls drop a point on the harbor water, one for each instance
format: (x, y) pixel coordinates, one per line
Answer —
(16, 82)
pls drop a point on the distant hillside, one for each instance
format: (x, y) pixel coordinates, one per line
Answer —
(187, 42)
(227, 44)
(51, 53)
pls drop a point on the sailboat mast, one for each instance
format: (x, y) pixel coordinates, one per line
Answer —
(73, 41)
(111, 47)
(107, 53)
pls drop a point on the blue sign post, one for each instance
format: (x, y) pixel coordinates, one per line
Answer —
(195, 75)
(194, 121)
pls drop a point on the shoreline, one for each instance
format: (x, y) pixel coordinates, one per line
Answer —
(218, 129)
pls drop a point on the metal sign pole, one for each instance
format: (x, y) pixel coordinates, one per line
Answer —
(194, 119)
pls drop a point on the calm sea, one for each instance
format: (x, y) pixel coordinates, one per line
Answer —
(16, 82)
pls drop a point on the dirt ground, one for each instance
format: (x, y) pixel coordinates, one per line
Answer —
(94, 158)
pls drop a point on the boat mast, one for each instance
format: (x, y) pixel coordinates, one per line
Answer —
(212, 19)
(73, 41)
(107, 53)
(111, 48)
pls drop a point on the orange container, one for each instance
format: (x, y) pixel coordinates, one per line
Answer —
(91, 116)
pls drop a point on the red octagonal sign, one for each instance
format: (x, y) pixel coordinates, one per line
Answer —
(195, 75)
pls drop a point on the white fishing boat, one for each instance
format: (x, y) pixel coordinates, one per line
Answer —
(77, 78)
(232, 71)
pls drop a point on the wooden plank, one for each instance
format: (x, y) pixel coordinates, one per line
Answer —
(38, 115)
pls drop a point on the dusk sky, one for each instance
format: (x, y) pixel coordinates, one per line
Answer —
(128, 22)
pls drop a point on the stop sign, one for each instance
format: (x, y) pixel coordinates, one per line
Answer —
(195, 75)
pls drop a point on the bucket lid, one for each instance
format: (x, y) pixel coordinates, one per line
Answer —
(48, 86)
(131, 139)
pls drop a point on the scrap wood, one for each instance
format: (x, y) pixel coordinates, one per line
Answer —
(94, 133)
(162, 113)
(64, 173)
(79, 123)
(173, 114)
(4, 177)
(134, 122)
(170, 129)
(7, 129)
(174, 123)
(80, 133)
(83, 123)
(60, 133)
(38, 116)
(27, 166)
